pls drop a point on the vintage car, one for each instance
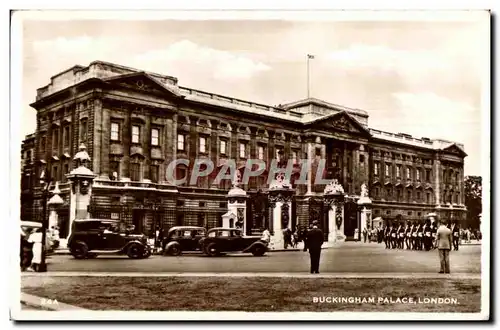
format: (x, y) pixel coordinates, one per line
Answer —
(219, 240)
(182, 238)
(91, 237)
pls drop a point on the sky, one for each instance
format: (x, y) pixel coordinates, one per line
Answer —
(423, 78)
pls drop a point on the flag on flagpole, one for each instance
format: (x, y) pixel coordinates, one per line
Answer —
(309, 56)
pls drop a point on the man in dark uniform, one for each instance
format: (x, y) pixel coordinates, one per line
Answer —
(400, 233)
(387, 236)
(427, 235)
(314, 241)
(408, 235)
(420, 236)
(394, 239)
(455, 232)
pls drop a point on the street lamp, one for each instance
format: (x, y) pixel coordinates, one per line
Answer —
(45, 179)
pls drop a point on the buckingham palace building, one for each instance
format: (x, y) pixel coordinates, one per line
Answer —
(135, 123)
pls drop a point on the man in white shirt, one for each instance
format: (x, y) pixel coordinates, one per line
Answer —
(444, 244)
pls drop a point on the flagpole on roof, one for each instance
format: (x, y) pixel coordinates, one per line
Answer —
(309, 57)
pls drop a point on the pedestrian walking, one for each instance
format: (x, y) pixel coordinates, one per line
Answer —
(456, 235)
(365, 234)
(36, 239)
(314, 241)
(356, 234)
(444, 243)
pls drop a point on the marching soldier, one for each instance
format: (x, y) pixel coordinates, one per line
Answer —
(393, 237)
(434, 230)
(420, 236)
(427, 236)
(387, 236)
(456, 235)
(414, 234)
(400, 234)
(409, 227)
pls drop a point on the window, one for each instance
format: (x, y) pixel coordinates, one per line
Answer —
(409, 212)
(55, 138)
(135, 134)
(388, 212)
(180, 203)
(180, 220)
(55, 174)
(261, 153)
(398, 192)
(387, 170)
(115, 132)
(418, 174)
(377, 192)
(203, 144)
(457, 177)
(428, 175)
(83, 130)
(398, 171)
(243, 151)
(408, 173)
(408, 193)
(376, 168)
(66, 136)
(66, 171)
(202, 204)
(114, 170)
(42, 143)
(180, 142)
(155, 136)
(361, 158)
(222, 205)
(154, 171)
(418, 195)
(135, 171)
(458, 198)
(223, 147)
(444, 176)
(201, 220)
(428, 198)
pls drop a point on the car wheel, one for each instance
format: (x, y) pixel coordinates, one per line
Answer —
(147, 253)
(258, 251)
(135, 251)
(79, 250)
(212, 250)
(174, 250)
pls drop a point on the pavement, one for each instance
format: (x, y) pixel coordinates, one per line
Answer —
(345, 258)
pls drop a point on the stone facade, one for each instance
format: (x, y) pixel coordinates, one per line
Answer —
(135, 123)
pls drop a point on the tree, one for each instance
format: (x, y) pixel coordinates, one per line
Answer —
(473, 200)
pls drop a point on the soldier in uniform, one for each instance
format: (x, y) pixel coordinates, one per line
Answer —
(393, 236)
(427, 235)
(409, 227)
(400, 236)
(387, 236)
(434, 230)
(455, 231)
(420, 236)
(414, 236)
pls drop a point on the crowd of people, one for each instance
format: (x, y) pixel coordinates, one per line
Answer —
(417, 235)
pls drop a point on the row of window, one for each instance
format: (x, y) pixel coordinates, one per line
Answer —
(451, 176)
(388, 212)
(66, 136)
(243, 148)
(136, 134)
(387, 167)
(388, 194)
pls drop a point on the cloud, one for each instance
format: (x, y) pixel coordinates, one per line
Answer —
(434, 116)
(185, 56)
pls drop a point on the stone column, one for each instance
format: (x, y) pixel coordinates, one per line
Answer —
(334, 198)
(81, 179)
(310, 156)
(280, 199)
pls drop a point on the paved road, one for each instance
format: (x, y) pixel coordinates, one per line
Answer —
(346, 258)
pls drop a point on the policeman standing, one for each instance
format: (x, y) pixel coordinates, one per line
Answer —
(314, 241)
(456, 235)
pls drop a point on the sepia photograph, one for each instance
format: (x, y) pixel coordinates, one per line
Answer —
(250, 165)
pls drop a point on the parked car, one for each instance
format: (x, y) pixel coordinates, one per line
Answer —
(91, 237)
(219, 240)
(183, 238)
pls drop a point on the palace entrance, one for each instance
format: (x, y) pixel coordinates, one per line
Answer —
(350, 218)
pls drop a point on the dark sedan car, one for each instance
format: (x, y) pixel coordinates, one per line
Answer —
(91, 237)
(183, 238)
(219, 240)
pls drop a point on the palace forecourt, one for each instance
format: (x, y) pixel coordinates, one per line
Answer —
(132, 124)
